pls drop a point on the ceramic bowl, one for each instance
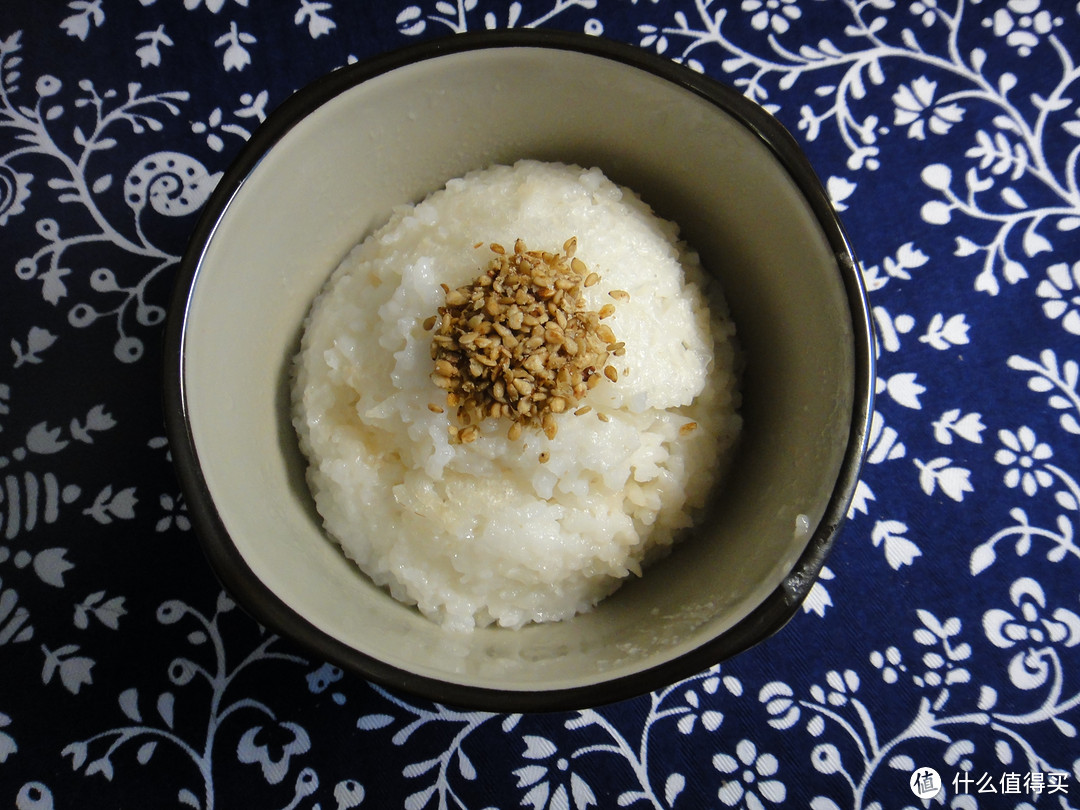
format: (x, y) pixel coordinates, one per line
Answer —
(328, 167)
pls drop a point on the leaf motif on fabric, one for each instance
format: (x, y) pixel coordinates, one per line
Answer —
(673, 786)
(129, 705)
(165, 704)
(370, 722)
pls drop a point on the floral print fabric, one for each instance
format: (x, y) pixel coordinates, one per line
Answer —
(942, 641)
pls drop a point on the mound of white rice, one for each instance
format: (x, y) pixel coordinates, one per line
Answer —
(484, 532)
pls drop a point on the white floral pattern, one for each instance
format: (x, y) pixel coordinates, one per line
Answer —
(749, 784)
(944, 631)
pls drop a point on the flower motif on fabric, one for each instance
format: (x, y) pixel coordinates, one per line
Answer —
(462, 16)
(72, 135)
(317, 22)
(1033, 630)
(750, 779)
(552, 785)
(780, 703)
(150, 53)
(877, 42)
(1020, 454)
(842, 687)
(175, 514)
(214, 122)
(818, 599)
(87, 13)
(917, 110)
(236, 56)
(271, 747)
(1023, 24)
(14, 192)
(1060, 292)
(697, 715)
(890, 662)
(776, 15)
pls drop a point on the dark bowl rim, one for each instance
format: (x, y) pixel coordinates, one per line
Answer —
(266, 607)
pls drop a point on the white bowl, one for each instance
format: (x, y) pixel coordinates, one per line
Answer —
(328, 167)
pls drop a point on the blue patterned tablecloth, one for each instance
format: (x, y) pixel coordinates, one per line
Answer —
(944, 633)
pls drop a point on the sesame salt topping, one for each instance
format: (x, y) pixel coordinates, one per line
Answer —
(519, 343)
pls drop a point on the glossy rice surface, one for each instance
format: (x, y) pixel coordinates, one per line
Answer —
(483, 532)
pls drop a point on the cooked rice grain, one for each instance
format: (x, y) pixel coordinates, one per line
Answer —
(508, 526)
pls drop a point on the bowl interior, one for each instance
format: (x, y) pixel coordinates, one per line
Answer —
(336, 174)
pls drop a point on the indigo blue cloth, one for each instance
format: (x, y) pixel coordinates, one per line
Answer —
(935, 662)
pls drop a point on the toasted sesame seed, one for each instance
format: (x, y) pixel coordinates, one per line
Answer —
(519, 342)
(549, 425)
(544, 456)
(689, 427)
(611, 373)
(434, 408)
(620, 295)
(603, 417)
